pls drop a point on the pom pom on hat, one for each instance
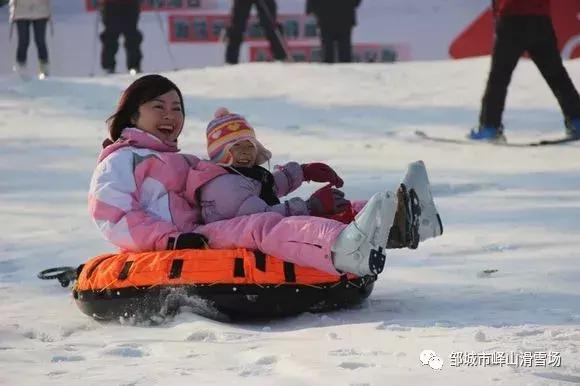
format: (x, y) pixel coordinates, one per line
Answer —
(220, 112)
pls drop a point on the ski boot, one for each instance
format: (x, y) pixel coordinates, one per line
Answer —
(42, 70)
(359, 248)
(487, 133)
(425, 219)
(573, 127)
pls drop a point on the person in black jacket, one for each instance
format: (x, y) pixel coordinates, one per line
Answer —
(267, 10)
(120, 17)
(336, 19)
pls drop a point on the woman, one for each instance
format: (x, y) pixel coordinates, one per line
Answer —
(144, 196)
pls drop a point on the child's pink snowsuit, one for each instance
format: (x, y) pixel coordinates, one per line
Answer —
(233, 195)
(144, 191)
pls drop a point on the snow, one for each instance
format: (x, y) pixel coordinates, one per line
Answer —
(503, 278)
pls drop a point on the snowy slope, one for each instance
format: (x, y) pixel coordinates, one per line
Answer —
(513, 210)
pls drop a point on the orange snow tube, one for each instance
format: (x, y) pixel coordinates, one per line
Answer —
(232, 284)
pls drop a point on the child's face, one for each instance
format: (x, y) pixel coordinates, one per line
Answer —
(244, 154)
(162, 116)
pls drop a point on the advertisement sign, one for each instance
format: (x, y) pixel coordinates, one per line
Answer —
(210, 28)
(164, 5)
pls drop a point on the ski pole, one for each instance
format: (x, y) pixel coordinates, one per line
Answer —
(279, 36)
(165, 41)
(95, 37)
(12, 21)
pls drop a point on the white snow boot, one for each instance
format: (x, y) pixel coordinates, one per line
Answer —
(422, 205)
(360, 247)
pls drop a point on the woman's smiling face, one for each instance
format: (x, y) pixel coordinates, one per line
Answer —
(162, 116)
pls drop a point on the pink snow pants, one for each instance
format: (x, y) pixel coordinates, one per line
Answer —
(302, 240)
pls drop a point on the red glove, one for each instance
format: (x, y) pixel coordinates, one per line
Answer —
(326, 201)
(345, 217)
(320, 172)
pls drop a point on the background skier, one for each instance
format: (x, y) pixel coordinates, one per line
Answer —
(267, 11)
(25, 13)
(336, 20)
(120, 17)
(524, 26)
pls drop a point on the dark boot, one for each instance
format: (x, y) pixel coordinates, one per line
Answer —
(404, 232)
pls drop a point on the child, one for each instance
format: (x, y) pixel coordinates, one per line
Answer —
(143, 196)
(249, 188)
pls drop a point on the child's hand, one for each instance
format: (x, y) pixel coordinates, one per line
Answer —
(319, 172)
(326, 201)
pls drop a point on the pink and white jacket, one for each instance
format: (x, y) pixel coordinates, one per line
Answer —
(143, 191)
(233, 195)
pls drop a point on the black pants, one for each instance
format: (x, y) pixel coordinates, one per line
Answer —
(239, 18)
(121, 18)
(23, 29)
(336, 40)
(514, 36)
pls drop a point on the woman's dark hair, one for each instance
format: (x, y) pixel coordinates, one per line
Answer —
(140, 91)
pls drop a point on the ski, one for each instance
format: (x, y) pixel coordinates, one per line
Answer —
(460, 141)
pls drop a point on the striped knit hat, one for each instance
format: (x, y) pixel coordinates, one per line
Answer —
(227, 129)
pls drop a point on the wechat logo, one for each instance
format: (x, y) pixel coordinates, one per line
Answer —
(429, 357)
